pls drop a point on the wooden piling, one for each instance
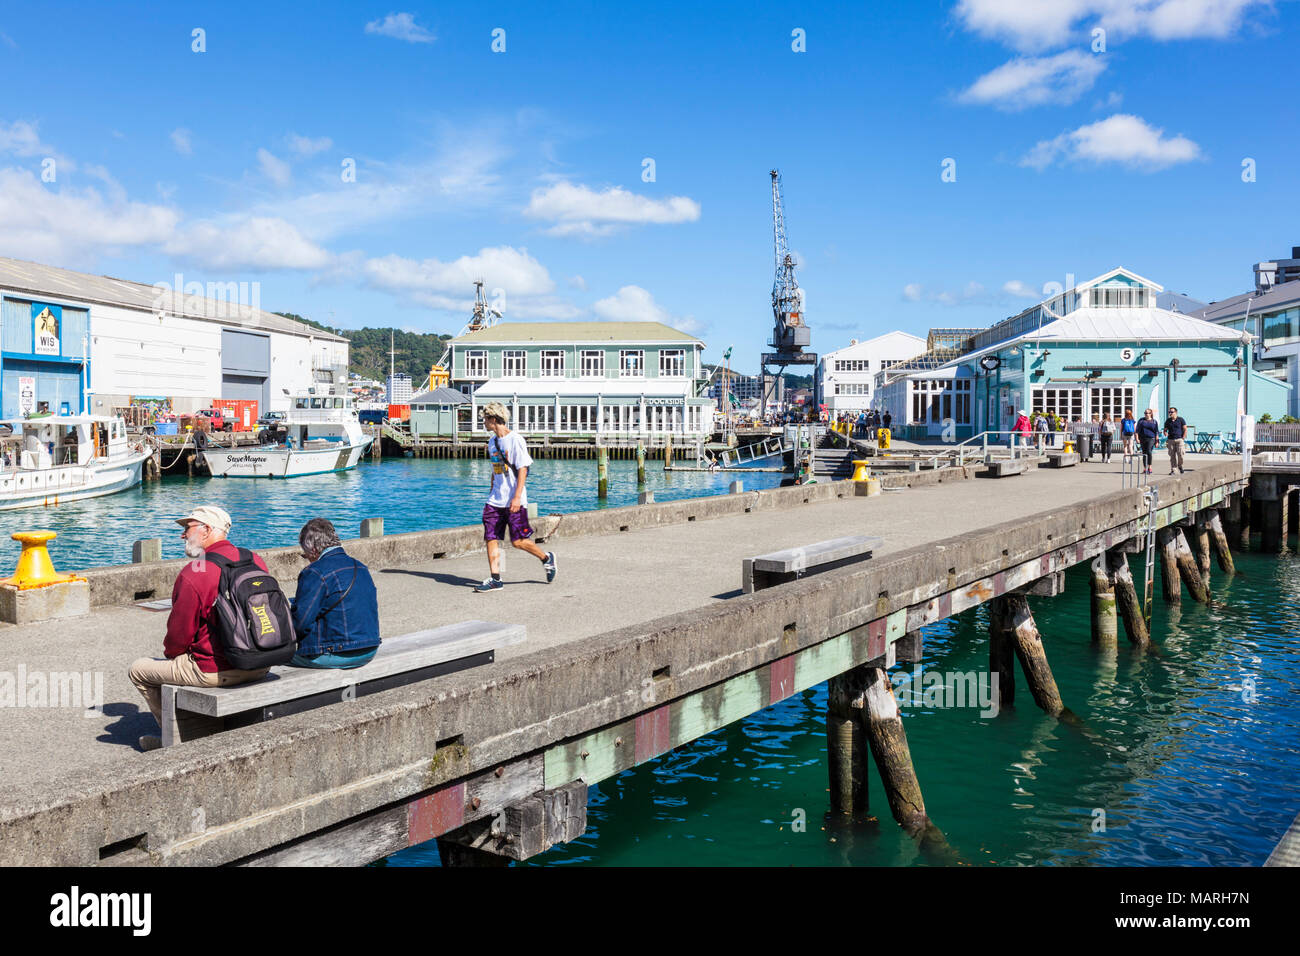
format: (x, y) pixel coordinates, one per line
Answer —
(1230, 516)
(1220, 540)
(1126, 598)
(640, 465)
(1029, 649)
(602, 474)
(1188, 568)
(846, 750)
(668, 453)
(1270, 523)
(1168, 548)
(1243, 525)
(1002, 653)
(1105, 624)
(1293, 511)
(888, 742)
(1203, 550)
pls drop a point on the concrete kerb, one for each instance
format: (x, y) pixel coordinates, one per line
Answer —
(264, 785)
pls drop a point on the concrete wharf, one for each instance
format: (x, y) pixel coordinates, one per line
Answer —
(644, 643)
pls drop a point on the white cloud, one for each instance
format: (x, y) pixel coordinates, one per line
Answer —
(400, 26)
(578, 282)
(1122, 138)
(306, 146)
(579, 210)
(253, 242)
(273, 168)
(634, 304)
(21, 139)
(912, 292)
(64, 225)
(181, 141)
(1020, 290)
(1034, 81)
(1111, 102)
(525, 283)
(1042, 24)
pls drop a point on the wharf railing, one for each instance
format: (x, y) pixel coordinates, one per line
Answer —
(1017, 446)
(753, 452)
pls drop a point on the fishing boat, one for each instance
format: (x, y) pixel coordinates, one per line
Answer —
(320, 434)
(54, 459)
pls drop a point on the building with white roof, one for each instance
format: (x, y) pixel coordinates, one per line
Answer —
(1097, 349)
(85, 343)
(845, 378)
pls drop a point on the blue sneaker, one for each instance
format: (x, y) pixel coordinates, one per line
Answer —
(549, 566)
(489, 585)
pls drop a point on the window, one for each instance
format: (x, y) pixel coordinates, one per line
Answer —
(852, 388)
(1065, 402)
(593, 363)
(672, 363)
(631, 363)
(1119, 297)
(476, 363)
(853, 365)
(552, 363)
(1281, 327)
(1111, 401)
(513, 363)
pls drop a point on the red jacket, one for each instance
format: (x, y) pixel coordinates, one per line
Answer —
(193, 595)
(1022, 425)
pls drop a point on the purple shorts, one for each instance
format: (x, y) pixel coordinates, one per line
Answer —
(496, 520)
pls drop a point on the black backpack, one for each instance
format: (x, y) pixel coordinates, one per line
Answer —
(251, 618)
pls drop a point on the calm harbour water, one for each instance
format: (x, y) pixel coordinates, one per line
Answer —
(409, 494)
(1189, 767)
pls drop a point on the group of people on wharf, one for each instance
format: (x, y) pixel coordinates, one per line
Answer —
(1135, 434)
(335, 609)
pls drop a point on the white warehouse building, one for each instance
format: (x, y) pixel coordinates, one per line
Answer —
(74, 342)
(845, 380)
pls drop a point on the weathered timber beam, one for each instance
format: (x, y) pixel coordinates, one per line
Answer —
(521, 830)
(1127, 600)
(1105, 625)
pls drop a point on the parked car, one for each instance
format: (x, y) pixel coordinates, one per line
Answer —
(214, 417)
(271, 418)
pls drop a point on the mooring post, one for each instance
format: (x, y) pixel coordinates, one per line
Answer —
(602, 473)
(640, 465)
(888, 742)
(1221, 549)
(668, 453)
(1230, 516)
(846, 753)
(1105, 624)
(1168, 547)
(1019, 620)
(1002, 653)
(1203, 549)
(1293, 511)
(1243, 525)
(1126, 598)
(1188, 568)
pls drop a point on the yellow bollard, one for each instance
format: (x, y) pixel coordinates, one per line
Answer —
(35, 570)
(1068, 448)
(882, 438)
(860, 472)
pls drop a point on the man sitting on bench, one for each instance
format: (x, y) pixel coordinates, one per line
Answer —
(191, 659)
(336, 609)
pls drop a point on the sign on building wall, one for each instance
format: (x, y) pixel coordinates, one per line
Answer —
(48, 320)
(26, 395)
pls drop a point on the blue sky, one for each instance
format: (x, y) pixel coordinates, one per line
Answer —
(526, 166)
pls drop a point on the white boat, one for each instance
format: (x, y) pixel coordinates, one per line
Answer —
(55, 459)
(321, 434)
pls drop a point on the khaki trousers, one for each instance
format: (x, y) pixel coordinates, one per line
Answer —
(148, 675)
(1175, 454)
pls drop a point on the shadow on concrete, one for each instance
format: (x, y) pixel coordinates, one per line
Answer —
(132, 723)
(455, 580)
(737, 592)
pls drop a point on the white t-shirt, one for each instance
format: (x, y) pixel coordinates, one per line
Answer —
(504, 479)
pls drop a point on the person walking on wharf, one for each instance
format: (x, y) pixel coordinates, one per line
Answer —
(507, 504)
(1106, 432)
(1128, 430)
(1175, 431)
(1148, 433)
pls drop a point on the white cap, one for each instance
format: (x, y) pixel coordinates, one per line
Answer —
(215, 518)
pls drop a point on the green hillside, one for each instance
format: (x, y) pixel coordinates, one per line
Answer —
(368, 350)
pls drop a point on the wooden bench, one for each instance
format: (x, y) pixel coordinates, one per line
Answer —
(190, 712)
(768, 570)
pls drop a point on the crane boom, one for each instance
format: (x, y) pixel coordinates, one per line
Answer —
(790, 332)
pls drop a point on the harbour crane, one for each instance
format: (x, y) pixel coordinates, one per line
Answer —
(790, 332)
(482, 317)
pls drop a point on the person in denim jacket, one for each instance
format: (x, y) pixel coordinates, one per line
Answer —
(336, 609)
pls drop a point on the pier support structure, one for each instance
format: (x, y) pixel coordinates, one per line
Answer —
(1188, 569)
(846, 746)
(1105, 623)
(884, 732)
(1266, 511)
(1127, 601)
(1011, 615)
(1167, 545)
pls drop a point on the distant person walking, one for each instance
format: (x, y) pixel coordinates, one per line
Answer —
(1106, 432)
(1021, 430)
(507, 504)
(1128, 430)
(1148, 433)
(1176, 432)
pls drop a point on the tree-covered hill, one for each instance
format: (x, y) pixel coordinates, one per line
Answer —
(368, 350)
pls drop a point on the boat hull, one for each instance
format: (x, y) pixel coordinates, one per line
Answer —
(57, 486)
(283, 462)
